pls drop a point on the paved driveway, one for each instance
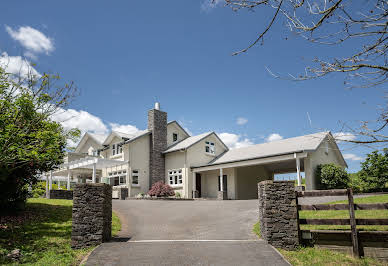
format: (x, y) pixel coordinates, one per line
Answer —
(203, 232)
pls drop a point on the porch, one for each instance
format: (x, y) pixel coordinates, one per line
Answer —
(238, 180)
(89, 169)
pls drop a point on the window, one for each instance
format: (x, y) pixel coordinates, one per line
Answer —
(117, 149)
(327, 147)
(175, 177)
(135, 177)
(210, 147)
(174, 137)
(119, 177)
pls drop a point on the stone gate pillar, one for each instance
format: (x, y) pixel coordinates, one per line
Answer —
(92, 215)
(278, 213)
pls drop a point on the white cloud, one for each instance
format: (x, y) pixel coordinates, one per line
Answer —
(353, 157)
(235, 141)
(344, 136)
(128, 129)
(82, 120)
(241, 121)
(34, 41)
(273, 137)
(17, 66)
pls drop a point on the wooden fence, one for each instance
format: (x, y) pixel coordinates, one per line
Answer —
(358, 239)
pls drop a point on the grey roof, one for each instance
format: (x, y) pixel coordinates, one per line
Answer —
(123, 135)
(284, 146)
(138, 135)
(187, 142)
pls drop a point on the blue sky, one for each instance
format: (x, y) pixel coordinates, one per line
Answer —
(125, 55)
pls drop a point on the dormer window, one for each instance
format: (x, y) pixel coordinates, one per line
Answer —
(210, 148)
(174, 137)
(117, 149)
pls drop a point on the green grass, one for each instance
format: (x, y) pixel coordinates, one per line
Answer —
(256, 229)
(371, 214)
(43, 234)
(316, 256)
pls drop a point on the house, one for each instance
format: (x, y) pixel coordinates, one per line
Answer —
(195, 166)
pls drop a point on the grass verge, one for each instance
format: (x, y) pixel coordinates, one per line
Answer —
(256, 229)
(316, 256)
(43, 234)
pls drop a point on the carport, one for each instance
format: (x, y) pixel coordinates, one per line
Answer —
(235, 173)
(239, 178)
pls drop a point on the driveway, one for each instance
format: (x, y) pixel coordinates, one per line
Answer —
(201, 232)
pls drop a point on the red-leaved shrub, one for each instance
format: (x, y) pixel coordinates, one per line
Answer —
(160, 189)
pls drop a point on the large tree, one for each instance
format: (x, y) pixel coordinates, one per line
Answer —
(361, 23)
(374, 171)
(30, 142)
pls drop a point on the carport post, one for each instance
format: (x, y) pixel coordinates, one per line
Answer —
(221, 180)
(298, 170)
(94, 173)
(68, 178)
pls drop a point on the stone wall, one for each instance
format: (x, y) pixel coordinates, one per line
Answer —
(61, 194)
(157, 123)
(278, 213)
(92, 215)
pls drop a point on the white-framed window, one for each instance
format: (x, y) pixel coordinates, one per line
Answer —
(210, 147)
(119, 177)
(327, 146)
(135, 177)
(117, 149)
(175, 177)
(174, 137)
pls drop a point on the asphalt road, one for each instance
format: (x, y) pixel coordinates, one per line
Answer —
(203, 232)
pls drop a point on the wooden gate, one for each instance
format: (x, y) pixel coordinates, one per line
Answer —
(357, 239)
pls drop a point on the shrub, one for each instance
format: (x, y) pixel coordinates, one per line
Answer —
(160, 189)
(140, 195)
(177, 195)
(39, 189)
(332, 176)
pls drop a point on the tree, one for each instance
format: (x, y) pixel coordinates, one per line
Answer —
(333, 22)
(30, 142)
(374, 171)
(332, 176)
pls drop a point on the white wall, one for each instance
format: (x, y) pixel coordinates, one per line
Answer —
(196, 155)
(320, 157)
(139, 159)
(209, 183)
(176, 160)
(174, 128)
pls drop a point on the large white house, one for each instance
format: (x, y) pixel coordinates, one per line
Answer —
(195, 166)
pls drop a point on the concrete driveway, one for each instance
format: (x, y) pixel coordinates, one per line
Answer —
(201, 232)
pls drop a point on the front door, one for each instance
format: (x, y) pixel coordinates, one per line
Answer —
(198, 184)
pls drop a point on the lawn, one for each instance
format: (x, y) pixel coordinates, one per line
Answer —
(372, 214)
(43, 234)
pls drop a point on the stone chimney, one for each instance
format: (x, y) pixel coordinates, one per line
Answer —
(157, 123)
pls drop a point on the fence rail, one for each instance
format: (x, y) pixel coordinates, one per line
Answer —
(357, 239)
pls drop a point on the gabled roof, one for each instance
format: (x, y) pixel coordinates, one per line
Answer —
(174, 121)
(275, 148)
(190, 141)
(113, 134)
(138, 135)
(99, 138)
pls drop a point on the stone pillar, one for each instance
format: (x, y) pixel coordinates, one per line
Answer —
(278, 213)
(157, 123)
(92, 215)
